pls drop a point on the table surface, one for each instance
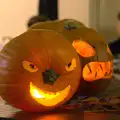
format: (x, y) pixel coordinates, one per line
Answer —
(76, 114)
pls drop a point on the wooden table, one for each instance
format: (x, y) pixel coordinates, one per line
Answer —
(77, 114)
(9, 112)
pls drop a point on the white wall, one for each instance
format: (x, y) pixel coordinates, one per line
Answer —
(108, 13)
(107, 22)
(14, 15)
(76, 9)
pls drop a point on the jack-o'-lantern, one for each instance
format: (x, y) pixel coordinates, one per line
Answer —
(93, 51)
(39, 70)
(96, 57)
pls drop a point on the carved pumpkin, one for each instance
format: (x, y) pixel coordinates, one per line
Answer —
(93, 51)
(39, 70)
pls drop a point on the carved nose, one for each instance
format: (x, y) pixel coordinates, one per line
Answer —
(50, 76)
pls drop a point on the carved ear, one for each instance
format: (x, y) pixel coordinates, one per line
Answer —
(83, 48)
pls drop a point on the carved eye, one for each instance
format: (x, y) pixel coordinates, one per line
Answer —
(29, 66)
(83, 48)
(71, 66)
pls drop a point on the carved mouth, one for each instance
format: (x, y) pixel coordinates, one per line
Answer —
(97, 70)
(48, 98)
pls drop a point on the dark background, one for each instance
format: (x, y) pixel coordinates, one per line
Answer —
(48, 8)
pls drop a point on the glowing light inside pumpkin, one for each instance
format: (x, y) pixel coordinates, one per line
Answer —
(97, 70)
(36, 94)
(48, 98)
(83, 48)
(29, 66)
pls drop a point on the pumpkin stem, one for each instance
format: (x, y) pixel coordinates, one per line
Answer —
(71, 25)
(50, 76)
